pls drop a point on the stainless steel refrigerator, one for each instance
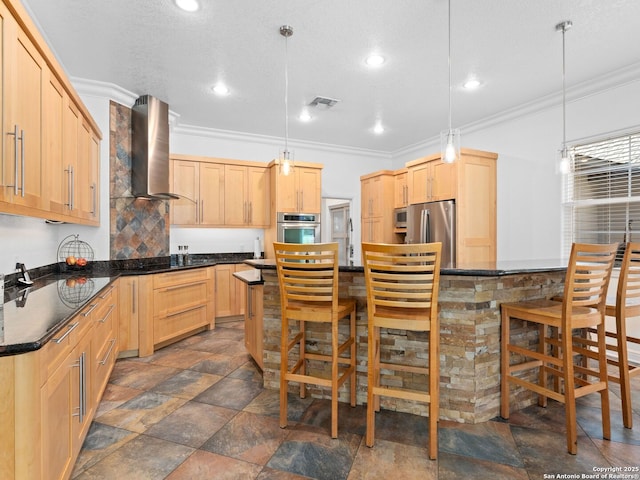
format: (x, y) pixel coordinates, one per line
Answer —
(434, 222)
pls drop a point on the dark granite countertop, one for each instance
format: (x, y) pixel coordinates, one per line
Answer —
(493, 269)
(31, 315)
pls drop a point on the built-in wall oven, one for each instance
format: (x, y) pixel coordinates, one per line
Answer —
(299, 227)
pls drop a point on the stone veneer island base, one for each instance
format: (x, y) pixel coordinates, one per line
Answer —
(470, 320)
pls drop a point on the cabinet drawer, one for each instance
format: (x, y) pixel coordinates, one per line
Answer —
(105, 318)
(171, 300)
(163, 280)
(173, 325)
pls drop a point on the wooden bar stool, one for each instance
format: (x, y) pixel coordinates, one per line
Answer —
(582, 306)
(626, 305)
(308, 278)
(402, 284)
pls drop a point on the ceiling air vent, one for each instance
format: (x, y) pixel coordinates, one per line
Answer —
(324, 102)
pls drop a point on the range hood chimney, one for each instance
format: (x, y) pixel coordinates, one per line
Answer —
(150, 147)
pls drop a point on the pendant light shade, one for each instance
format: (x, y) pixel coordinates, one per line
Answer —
(565, 154)
(450, 139)
(285, 160)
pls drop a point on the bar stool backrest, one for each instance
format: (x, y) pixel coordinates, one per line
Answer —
(588, 276)
(308, 275)
(404, 277)
(628, 291)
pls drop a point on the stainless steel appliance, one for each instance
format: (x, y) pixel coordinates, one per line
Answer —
(434, 222)
(150, 147)
(400, 219)
(298, 227)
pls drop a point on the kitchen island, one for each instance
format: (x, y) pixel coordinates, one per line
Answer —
(470, 298)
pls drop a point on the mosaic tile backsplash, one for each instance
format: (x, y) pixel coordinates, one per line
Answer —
(139, 228)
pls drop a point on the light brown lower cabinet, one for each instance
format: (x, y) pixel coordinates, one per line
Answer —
(174, 305)
(49, 396)
(230, 292)
(253, 323)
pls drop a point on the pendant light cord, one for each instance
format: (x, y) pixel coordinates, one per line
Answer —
(564, 94)
(449, 67)
(286, 96)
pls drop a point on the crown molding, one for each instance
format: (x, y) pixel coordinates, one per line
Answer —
(596, 86)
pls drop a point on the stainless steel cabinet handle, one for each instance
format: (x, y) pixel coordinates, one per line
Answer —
(73, 189)
(134, 297)
(201, 211)
(250, 212)
(91, 309)
(93, 199)
(15, 159)
(104, 319)
(82, 390)
(70, 329)
(184, 311)
(249, 302)
(106, 355)
(107, 293)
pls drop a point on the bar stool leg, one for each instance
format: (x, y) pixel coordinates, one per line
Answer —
(353, 333)
(284, 366)
(569, 392)
(623, 362)
(302, 350)
(372, 383)
(504, 364)
(604, 377)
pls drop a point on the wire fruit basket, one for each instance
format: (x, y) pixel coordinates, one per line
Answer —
(75, 253)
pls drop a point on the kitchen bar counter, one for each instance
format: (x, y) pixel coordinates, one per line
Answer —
(469, 301)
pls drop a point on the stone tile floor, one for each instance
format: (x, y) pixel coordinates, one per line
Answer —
(197, 410)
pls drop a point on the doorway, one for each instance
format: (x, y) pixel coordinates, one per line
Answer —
(338, 227)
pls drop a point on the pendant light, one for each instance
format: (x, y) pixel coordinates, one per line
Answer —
(450, 139)
(286, 158)
(564, 163)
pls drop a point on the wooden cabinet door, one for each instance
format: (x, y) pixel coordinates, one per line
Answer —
(223, 280)
(400, 191)
(258, 189)
(366, 189)
(212, 192)
(23, 84)
(443, 186)
(128, 326)
(58, 421)
(309, 189)
(286, 191)
(82, 401)
(185, 182)
(53, 120)
(70, 140)
(83, 188)
(419, 183)
(236, 206)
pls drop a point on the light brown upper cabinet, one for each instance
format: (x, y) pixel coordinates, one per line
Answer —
(43, 120)
(201, 189)
(400, 188)
(217, 192)
(376, 208)
(246, 196)
(23, 74)
(430, 179)
(298, 192)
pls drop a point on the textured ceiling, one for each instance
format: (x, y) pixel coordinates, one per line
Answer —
(151, 47)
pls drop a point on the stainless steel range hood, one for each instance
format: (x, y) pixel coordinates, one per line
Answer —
(150, 148)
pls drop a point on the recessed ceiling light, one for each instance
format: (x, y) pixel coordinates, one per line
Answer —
(374, 60)
(221, 89)
(188, 5)
(304, 116)
(471, 84)
(378, 129)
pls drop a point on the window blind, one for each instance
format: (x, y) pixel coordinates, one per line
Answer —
(601, 201)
